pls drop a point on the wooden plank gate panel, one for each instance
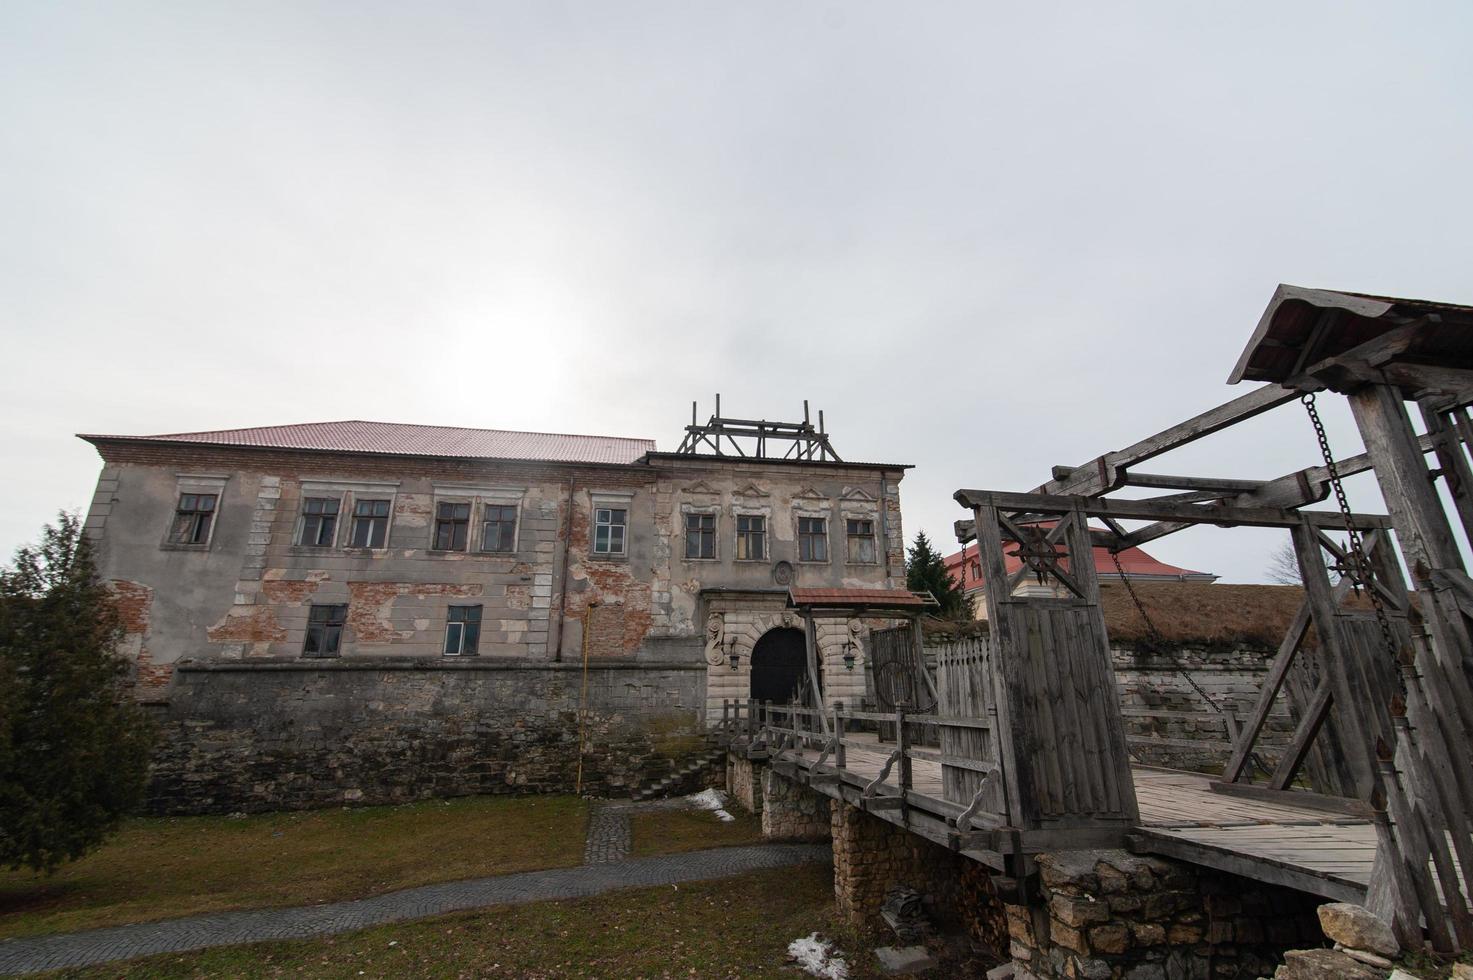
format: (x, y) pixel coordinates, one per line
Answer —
(964, 682)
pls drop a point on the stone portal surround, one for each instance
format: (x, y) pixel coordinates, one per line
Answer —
(748, 623)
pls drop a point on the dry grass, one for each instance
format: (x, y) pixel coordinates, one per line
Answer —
(737, 927)
(1205, 615)
(162, 868)
(670, 831)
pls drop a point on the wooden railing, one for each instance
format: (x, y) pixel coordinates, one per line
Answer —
(775, 729)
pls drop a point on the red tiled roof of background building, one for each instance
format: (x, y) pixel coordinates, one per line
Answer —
(399, 439)
(1137, 564)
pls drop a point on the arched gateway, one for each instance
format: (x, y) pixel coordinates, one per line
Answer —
(779, 665)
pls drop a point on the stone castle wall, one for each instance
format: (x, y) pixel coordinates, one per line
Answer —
(1176, 703)
(286, 736)
(1110, 915)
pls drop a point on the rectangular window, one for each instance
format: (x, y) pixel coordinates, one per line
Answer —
(700, 535)
(861, 535)
(462, 631)
(319, 522)
(498, 527)
(813, 539)
(370, 523)
(192, 519)
(324, 631)
(751, 539)
(452, 526)
(610, 525)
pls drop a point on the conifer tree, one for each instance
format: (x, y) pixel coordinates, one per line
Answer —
(925, 571)
(74, 747)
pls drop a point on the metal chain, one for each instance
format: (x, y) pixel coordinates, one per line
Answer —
(1158, 646)
(1360, 571)
(1156, 640)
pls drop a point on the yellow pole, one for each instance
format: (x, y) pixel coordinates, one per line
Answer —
(583, 703)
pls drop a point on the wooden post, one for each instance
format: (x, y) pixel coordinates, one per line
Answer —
(1353, 717)
(810, 635)
(1421, 523)
(902, 745)
(840, 756)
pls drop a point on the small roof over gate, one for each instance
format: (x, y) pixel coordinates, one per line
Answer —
(861, 600)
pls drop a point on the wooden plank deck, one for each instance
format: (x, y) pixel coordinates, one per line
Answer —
(1310, 849)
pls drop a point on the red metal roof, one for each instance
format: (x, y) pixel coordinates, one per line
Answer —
(398, 439)
(963, 566)
(886, 598)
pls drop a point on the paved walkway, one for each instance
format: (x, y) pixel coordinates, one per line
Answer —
(610, 833)
(229, 928)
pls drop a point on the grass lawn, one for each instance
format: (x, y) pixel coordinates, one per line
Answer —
(669, 831)
(163, 868)
(737, 927)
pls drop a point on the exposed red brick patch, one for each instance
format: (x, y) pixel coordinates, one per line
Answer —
(151, 679)
(294, 592)
(620, 615)
(133, 601)
(370, 606)
(247, 624)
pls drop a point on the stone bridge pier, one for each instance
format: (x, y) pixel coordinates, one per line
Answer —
(1088, 914)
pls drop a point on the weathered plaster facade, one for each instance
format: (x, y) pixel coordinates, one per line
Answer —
(245, 593)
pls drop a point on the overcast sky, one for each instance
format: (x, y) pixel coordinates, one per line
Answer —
(986, 239)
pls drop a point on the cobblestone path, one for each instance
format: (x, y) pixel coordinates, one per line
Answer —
(609, 830)
(32, 955)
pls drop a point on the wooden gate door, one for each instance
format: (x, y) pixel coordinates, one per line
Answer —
(1060, 732)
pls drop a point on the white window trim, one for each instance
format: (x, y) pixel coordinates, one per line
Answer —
(609, 500)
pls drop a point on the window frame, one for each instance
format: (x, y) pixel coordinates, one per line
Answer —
(714, 533)
(611, 501)
(516, 521)
(742, 536)
(210, 515)
(850, 537)
(387, 517)
(327, 624)
(599, 523)
(469, 624)
(821, 537)
(303, 516)
(465, 524)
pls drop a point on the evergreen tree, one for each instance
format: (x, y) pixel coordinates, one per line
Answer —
(74, 747)
(925, 571)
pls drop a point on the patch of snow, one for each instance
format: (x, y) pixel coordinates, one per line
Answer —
(818, 958)
(709, 799)
(713, 800)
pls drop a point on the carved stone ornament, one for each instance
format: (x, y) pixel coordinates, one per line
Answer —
(715, 633)
(787, 619)
(782, 573)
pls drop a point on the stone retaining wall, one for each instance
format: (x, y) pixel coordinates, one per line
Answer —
(871, 855)
(1110, 915)
(792, 811)
(295, 735)
(744, 781)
